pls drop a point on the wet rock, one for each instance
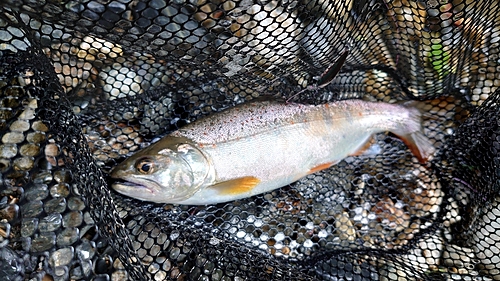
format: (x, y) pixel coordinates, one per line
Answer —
(76, 204)
(13, 137)
(30, 150)
(11, 266)
(61, 257)
(29, 226)
(67, 237)
(39, 126)
(8, 151)
(56, 205)
(37, 192)
(85, 251)
(43, 242)
(73, 219)
(50, 223)
(35, 137)
(32, 209)
(59, 190)
(19, 126)
(9, 212)
(24, 163)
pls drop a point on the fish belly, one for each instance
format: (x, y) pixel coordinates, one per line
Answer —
(281, 156)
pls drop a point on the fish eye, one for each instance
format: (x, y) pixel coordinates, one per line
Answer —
(145, 166)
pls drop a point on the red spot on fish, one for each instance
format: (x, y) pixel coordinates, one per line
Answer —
(200, 145)
(360, 113)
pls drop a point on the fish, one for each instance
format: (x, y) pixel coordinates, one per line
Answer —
(259, 146)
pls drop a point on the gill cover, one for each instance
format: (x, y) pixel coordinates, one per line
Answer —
(175, 174)
(170, 171)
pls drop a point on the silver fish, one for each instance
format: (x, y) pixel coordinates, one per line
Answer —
(259, 146)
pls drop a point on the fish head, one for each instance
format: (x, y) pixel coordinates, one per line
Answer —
(168, 171)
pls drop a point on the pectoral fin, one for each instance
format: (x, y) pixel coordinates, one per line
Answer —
(236, 186)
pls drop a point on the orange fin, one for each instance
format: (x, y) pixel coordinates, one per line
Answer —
(419, 145)
(320, 167)
(413, 135)
(237, 186)
(364, 147)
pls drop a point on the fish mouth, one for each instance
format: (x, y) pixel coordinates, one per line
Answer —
(126, 186)
(128, 183)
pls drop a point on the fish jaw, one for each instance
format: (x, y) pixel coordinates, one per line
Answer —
(137, 190)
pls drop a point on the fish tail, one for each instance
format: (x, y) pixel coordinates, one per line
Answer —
(413, 134)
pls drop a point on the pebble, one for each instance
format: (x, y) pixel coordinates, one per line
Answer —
(59, 190)
(30, 150)
(35, 137)
(63, 176)
(61, 257)
(9, 212)
(13, 137)
(103, 264)
(122, 275)
(67, 237)
(4, 164)
(76, 204)
(51, 150)
(81, 271)
(19, 126)
(42, 177)
(36, 192)
(73, 219)
(86, 250)
(50, 223)
(39, 126)
(8, 151)
(29, 112)
(29, 226)
(24, 163)
(56, 205)
(87, 218)
(44, 242)
(10, 263)
(4, 230)
(32, 209)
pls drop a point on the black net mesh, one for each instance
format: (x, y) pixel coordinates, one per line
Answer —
(85, 84)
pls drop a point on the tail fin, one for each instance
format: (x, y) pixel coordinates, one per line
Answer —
(413, 135)
(419, 145)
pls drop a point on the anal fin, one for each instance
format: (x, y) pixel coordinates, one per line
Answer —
(321, 167)
(364, 147)
(236, 186)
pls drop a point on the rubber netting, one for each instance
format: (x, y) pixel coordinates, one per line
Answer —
(86, 83)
